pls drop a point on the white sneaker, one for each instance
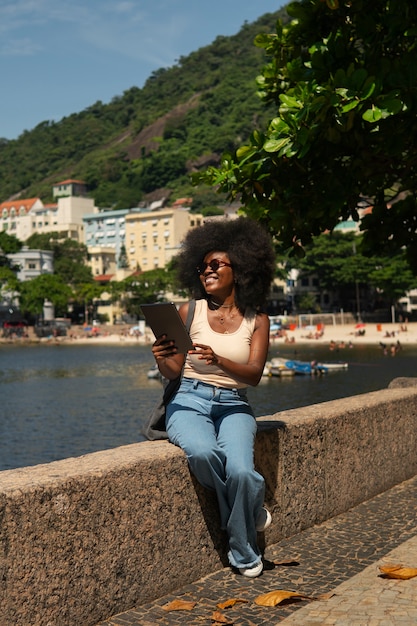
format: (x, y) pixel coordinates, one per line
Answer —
(252, 572)
(264, 520)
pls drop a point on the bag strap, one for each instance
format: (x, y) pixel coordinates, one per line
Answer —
(188, 322)
(190, 314)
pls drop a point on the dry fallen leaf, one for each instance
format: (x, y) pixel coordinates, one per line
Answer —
(273, 598)
(179, 605)
(286, 563)
(229, 603)
(219, 618)
(398, 571)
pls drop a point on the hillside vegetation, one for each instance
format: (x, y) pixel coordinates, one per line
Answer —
(146, 142)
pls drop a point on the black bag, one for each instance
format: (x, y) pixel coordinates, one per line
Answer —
(154, 428)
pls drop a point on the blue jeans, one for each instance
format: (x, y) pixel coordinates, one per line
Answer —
(216, 429)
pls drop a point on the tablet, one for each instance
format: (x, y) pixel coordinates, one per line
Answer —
(164, 319)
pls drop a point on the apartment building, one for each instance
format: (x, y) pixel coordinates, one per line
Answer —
(105, 230)
(32, 263)
(153, 238)
(16, 216)
(24, 217)
(102, 261)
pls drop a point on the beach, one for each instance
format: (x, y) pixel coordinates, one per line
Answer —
(341, 335)
(335, 336)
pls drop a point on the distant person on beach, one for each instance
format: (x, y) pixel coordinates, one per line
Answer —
(227, 266)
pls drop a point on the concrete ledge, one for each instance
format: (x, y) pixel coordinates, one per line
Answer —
(86, 538)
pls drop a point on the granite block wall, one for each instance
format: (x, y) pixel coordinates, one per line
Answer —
(86, 538)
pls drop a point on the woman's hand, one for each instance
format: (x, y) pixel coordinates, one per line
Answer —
(167, 358)
(163, 348)
(205, 353)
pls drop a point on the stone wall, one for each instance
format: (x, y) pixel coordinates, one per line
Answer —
(86, 538)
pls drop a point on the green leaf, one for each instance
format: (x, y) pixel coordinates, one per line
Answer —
(372, 115)
(350, 105)
(290, 102)
(274, 145)
(368, 88)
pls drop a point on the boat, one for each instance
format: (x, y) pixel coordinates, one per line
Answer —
(289, 367)
(337, 365)
(154, 373)
(276, 367)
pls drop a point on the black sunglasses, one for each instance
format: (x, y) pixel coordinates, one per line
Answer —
(214, 265)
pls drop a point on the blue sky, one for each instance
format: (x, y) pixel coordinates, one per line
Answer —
(57, 57)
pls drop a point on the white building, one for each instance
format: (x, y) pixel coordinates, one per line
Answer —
(24, 217)
(32, 263)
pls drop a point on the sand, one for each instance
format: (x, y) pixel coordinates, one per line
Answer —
(339, 335)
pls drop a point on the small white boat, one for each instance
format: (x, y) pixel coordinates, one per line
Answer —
(335, 366)
(276, 367)
(154, 372)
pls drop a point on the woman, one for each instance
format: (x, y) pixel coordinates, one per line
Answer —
(228, 266)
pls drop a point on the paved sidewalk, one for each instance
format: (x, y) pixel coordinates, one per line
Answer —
(339, 557)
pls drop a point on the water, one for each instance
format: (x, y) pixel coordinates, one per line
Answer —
(69, 400)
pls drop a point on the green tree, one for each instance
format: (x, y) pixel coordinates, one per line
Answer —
(85, 295)
(146, 287)
(9, 244)
(34, 292)
(342, 78)
(393, 277)
(9, 283)
(123, 261)
(335, 259)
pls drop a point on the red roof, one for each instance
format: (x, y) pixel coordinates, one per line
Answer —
(182, 202)
(70, 180)
(103, 278)
(18, 203)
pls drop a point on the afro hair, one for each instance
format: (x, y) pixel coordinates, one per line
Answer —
(251, 253)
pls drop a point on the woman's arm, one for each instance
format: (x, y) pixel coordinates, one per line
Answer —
(251, 372)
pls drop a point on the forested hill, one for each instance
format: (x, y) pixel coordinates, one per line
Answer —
(144, 143)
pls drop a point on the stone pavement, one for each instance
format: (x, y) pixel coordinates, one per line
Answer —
(339, 558)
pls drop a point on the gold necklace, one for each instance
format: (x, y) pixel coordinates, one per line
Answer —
(222, 318)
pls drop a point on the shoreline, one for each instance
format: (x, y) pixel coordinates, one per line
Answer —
(335, 336)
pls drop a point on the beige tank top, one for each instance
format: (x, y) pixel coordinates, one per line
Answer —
(234, 346)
